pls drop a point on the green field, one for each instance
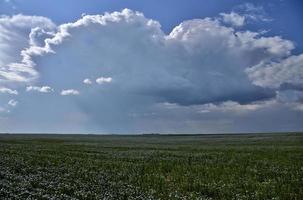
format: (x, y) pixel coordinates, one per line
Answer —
(242, 166)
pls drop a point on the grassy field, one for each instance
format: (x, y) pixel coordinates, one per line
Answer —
(248, 166)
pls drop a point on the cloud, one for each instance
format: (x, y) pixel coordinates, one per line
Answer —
(14, 36)
(159, 65)
(2, 109)
(43, 89)
(230, 106)
(298, 107)
(290, 96)
(102, 80)
(69, 92)
(203, 64)
(8, 91)
(287, 73)
(253, 13)
(250, 7)
(233, 18)
(87, 81)
(292, 99)
(38, 35)
(12, 103)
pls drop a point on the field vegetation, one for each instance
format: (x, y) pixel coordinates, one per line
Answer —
(239, 166)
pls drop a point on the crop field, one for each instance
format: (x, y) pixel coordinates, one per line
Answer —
(239, 166)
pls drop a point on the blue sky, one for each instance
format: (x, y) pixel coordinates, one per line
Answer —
(151, 66)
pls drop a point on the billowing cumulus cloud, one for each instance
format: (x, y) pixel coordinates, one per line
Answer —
(200, 69)
(14, 38)
(159, 65)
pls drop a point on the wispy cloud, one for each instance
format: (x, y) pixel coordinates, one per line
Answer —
(233, 18)
(12, 103)
(253, 12)
(8, 91)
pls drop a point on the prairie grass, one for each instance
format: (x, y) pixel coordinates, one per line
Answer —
(241, 166)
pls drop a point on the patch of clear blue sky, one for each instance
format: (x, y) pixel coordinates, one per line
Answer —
(287, 15)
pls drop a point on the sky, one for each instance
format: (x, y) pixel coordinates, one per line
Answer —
(128, 67)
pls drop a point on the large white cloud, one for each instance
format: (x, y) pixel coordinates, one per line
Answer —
(200, 63)
(181, 67)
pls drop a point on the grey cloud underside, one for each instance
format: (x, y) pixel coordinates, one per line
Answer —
(200, 62)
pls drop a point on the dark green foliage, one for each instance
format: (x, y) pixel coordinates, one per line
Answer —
(248, 166)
